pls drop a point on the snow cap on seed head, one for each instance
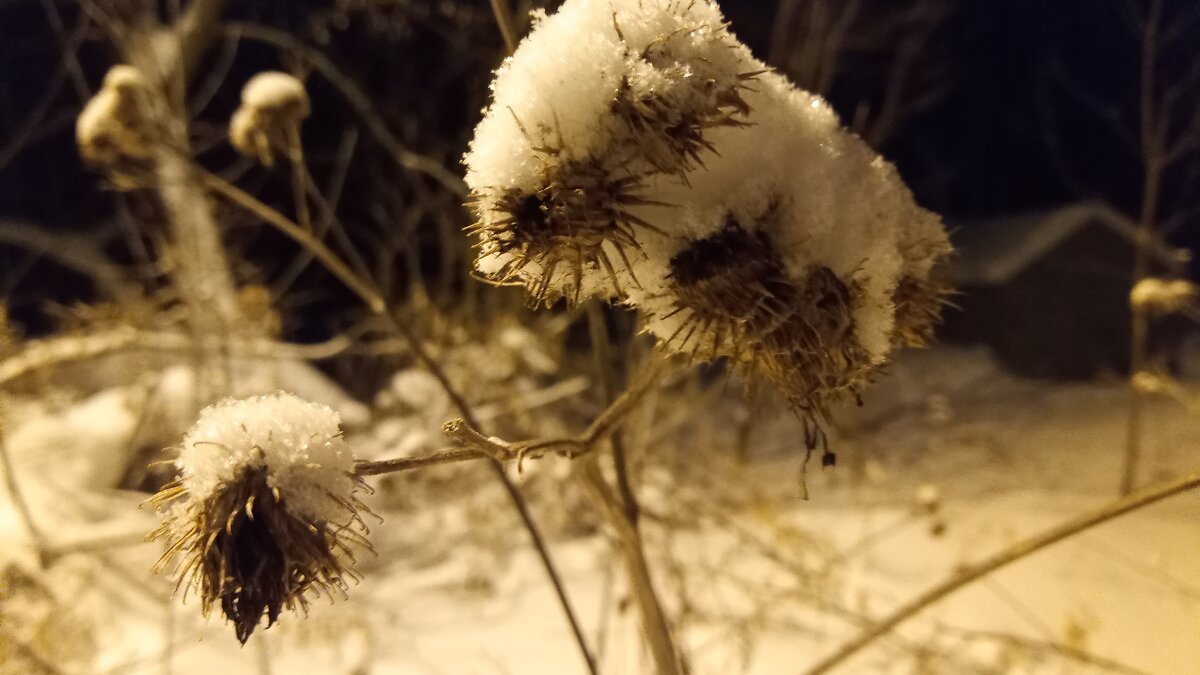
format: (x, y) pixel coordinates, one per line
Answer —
(115, 130)
(599, 98)
(264, 509)
(636, 151)
(273, 105)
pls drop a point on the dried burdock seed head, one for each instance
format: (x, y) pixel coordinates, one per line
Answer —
(273, 106)
(264, 511)
(562, 238)
(1166, 296)
(920, 293)
(115, 131)
(735, 298)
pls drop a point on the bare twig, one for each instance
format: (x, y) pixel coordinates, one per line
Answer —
(1022, 549)
(24, 131)
(655, 627)
(14, 490)
(450, 456)
(81, 253)
(504, 20)
(600, 347)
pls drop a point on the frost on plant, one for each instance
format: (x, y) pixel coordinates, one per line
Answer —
(748, 224)
(264, 509)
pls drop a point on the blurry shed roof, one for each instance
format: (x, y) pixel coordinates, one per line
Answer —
(991, 252)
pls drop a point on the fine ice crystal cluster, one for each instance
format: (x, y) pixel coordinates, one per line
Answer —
(635, 151)
(264, 509)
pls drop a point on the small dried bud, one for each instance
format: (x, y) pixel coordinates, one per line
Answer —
(115, 130)
(264, 509)
(273, 105)
(1146, 382)
(1165, 296)
(552, 237)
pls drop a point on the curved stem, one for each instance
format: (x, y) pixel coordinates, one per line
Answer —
(1022, 549)
(504, 21)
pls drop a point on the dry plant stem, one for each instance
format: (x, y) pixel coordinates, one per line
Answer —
(164, 55)
(18, 497)
(621, 512)
(316, 247)
(600, 347)
(655, 627)
(378, 305)
(1022, 549)
(504, 20)
(1152, 158)
(299, 177)
(409, 463)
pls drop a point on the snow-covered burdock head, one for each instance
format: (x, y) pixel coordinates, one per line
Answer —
(599, 99)
(264, 509)
(635, 150)
(273, 106)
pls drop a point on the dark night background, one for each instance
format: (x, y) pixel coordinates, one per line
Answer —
(1037, 107)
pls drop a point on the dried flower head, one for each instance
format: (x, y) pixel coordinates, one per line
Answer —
(115, 130)
(273, 106)
(637, 151)
(559, 165)
(264, 510)
(733, 296)
(571, 225)
(1166, 296)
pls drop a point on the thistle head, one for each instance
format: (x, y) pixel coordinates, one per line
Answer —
(264, 511)
(115, 131)
(733, 296)
(273, 106)
(559, 238)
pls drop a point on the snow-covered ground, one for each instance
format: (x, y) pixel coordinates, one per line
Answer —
(764, 582)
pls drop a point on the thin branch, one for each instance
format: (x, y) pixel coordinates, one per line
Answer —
(301, 236)
(655, 627)
(79, 253)
(1140, 499)
(14, 491)
(504, 20)
(600, 347)
(24, 131)
(451, 456)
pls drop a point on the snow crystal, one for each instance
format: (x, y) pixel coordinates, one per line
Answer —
(298, 443)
